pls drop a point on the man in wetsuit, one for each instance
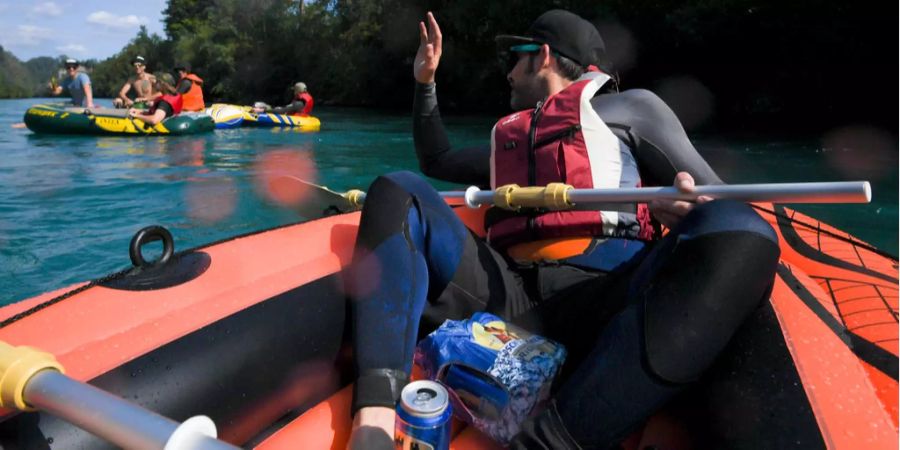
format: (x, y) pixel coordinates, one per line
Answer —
(142, 82)
(643, 316)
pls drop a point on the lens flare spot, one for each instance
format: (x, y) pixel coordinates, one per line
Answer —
(621, 46)
(363, 276)
(307, 384)
(210, 200)
(692, 102)
(860, 151)
(283, 176)
(186, 153)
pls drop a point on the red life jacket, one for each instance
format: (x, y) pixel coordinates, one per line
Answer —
(175, 101)
(307, 108)
(564, 140)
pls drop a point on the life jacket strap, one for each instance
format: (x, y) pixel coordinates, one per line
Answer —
(549, 249)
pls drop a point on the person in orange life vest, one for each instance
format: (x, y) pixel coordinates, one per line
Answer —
(642, 315)
(169, 104)
(301, 105)
(191, 87)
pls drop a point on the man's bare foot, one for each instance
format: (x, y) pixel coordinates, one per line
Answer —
(373, 429)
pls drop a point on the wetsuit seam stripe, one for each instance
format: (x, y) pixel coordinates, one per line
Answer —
(407, 236)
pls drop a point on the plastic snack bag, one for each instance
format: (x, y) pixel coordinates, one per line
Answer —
(497, 374)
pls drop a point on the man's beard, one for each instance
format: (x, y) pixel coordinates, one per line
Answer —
(524, 96)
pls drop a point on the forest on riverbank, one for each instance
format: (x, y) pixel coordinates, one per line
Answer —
(745, 64)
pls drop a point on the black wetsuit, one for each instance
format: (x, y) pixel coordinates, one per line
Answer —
(636, 335)
(295, 107)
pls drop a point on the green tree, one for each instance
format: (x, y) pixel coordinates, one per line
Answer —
(15, 79)
(183, 17)
(764, 61)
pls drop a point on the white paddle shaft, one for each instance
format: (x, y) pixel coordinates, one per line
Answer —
(825, 192)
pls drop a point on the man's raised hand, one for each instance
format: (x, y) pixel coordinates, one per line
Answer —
(429, 54)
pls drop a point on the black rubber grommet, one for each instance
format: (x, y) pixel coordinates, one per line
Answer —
(151, 234)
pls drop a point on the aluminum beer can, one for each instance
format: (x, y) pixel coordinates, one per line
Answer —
(423, 417)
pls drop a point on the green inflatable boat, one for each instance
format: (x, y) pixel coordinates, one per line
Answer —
(61, 119)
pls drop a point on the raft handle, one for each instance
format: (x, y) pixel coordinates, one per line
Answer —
(145, 236)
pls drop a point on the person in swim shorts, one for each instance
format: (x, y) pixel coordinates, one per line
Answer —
(642, 314)
(142, 82)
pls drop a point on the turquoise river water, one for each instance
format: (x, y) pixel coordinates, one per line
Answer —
(69, 205)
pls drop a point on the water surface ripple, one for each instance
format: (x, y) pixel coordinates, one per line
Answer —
(69, 205)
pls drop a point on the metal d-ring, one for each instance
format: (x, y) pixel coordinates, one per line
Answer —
(151, 234)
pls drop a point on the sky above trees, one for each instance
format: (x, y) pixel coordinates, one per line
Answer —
(78, 28)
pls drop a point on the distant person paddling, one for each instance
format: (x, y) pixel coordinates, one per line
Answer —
(191, 87)
(301, 104)
(77, 83)
(169, 104)
(142, 82)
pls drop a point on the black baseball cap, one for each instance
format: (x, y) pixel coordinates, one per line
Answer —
(71, 62)
(139, 59)
(567, 34)
(183, 66)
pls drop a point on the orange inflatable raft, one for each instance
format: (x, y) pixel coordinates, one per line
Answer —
(252, 332)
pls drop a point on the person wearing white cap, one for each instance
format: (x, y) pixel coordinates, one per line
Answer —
(143, 83)
(78, 84)
(301, 105)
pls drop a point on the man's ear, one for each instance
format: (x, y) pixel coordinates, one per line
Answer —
(545, 56)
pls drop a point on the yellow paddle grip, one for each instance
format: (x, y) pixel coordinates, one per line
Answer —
(17, 366)
(353, 196)
(553, 197)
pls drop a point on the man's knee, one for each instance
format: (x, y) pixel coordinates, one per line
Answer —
(399, 189)
(719, 272)
(725, 216)
(403, 179)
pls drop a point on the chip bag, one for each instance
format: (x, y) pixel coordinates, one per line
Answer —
(497, 374)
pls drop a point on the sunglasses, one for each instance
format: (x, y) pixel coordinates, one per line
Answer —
(525, 48)
(138, 65)
(71, 67)
(509, 58)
